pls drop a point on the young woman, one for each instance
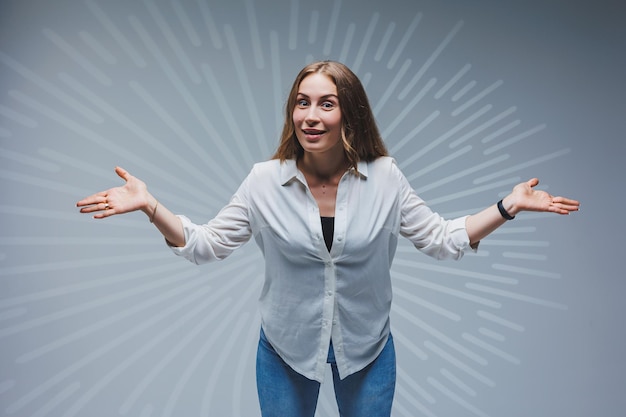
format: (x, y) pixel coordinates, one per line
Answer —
(326, 211)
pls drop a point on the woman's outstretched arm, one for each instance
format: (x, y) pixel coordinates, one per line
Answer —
(134, 196)
(523, 198)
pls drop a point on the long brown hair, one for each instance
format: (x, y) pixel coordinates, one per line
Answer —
(359, 132)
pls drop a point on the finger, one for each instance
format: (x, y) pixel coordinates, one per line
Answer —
(563, 208)
(567, 203)
(565, 200)
(122, 173)
(570, 207)
(90, 208)
(532, 182)
(97, 198)
(104, 213)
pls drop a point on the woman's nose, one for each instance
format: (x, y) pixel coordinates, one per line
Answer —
(312, 115)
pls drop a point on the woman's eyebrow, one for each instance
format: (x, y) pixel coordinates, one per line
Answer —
(322, 97)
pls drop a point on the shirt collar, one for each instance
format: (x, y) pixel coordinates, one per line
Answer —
(289, 171)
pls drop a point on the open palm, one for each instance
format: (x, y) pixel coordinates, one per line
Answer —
(129, 197)
(527, 198)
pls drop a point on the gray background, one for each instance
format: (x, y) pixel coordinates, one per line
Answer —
(97, 318)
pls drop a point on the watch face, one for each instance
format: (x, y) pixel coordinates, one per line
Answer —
(98, 318)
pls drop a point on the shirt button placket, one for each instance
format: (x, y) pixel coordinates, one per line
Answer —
(329, 301)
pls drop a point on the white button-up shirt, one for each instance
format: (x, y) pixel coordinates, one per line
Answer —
(311, 296)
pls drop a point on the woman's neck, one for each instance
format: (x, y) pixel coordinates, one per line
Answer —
(324, 168)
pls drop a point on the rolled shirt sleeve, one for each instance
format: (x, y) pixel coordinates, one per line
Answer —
(218, 238)
(427, 230)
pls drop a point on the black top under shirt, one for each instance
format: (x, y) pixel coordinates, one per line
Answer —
(328, 229)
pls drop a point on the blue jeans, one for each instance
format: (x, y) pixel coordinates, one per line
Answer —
(284, 392)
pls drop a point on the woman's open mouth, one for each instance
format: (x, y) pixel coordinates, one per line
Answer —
(313, 134)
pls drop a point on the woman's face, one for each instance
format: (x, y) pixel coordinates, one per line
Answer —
(317, 115)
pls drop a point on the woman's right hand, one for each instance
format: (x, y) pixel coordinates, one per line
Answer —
(131, 196)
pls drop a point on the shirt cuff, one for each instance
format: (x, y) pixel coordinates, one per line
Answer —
(458, 232)
(182, 250)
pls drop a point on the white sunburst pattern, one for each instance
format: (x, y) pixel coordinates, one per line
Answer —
(98, 319)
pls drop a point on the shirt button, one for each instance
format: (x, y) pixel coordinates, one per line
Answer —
(329, 293)
(339, 238)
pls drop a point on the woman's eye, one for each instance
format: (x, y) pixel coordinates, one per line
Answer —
(328, 105)
(302, 103)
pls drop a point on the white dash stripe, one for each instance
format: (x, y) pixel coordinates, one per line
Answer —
(449, 270)
(515, 296)
(477, 97)
(415, 386)
(526, 271)
(28, 160)
(292, 43)
(464, 90)
(500, 131)
(186, 23)
(254, 34)
(98, 48)
(491, 349)
(313, 27)
(447, 86)
(119, 37)
(347, 43)
(472, 191)
(522, 243)
(459, 364)
(50, 89)
(408, 108)
(399, 293)
(404, 41)
(500, 321)
(382, 101)
(214, 33)
(457, 382)
(526, 256)
(431, 60)
(277, 81)
(441, 162)
(483, 127)
(229, 117)
(78, 58)
(454, 397)
(416, 131)
(440, 336)
(521, 166)
(410, 398)
(242, 76)
(514, 139)
(356, 66)
(491, 334)
(427, 148)
(384, 42)
(173, 42)
(332, 27)
(460, 174)
(408, 343)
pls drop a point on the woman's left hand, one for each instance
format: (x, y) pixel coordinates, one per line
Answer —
(526, 198)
